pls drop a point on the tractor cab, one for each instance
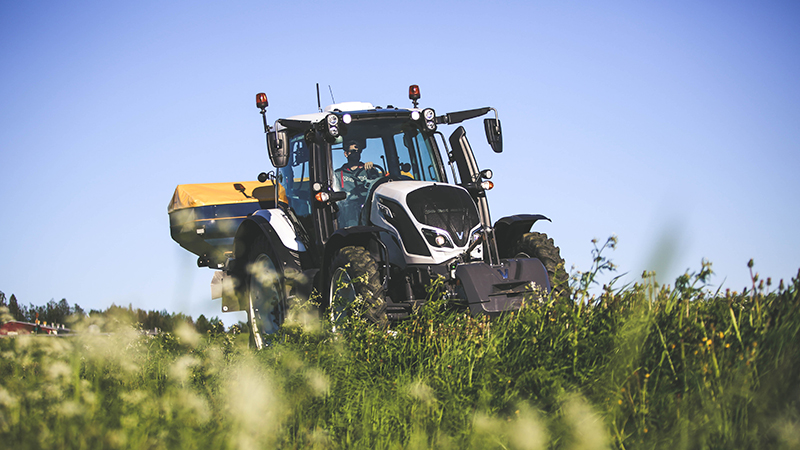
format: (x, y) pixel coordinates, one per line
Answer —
(340, 169)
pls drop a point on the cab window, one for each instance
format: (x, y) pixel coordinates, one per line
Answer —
(294, 179)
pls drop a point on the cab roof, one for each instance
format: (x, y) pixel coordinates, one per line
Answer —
(348, 107)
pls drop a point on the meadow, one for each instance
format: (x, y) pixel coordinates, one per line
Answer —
(642, 366)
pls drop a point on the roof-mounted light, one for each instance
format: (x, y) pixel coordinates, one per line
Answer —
(413, 94)
(261, 101)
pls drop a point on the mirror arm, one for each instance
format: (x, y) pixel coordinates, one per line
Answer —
(497, 118)
(460, 116)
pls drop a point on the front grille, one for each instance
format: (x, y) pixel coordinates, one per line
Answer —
(412, 240)
(445, 207)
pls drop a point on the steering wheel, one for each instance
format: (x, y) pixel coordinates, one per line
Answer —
(379, 169)
(370, 181)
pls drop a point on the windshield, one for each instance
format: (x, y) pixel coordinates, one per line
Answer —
(376, 149)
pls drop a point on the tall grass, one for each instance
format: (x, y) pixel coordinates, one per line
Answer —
(644, 366)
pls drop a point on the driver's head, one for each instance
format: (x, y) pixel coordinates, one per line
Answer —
(352, 152)
(352, 146)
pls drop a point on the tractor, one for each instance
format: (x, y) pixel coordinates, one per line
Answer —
(360, 210)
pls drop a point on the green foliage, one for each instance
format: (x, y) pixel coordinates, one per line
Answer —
(62, 313)
(644, 366)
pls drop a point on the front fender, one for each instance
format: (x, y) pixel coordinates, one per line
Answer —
(509, 229)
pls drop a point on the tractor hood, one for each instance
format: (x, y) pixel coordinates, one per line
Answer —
(435, 222)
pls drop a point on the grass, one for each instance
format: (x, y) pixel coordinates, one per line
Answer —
(644, 366)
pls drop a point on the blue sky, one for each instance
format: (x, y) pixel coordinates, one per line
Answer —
(674, 125)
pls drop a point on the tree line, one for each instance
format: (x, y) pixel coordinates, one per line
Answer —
(62, 312)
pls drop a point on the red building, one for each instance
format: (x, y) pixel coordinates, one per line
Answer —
(15, 328)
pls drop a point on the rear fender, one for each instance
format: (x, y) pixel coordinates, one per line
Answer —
(277, 220)
(510, 229)
(274, 225)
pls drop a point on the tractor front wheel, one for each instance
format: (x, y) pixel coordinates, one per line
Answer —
(539, 246)
(354, 287)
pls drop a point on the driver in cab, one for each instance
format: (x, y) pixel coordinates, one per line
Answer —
(354, 176)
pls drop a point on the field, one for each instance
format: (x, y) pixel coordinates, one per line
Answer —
(644, 366)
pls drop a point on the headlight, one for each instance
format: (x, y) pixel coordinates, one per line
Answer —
(332, 119)
(429, 116)
(436, 239)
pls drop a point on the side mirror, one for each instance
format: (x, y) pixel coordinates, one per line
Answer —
(278, 148)
(494, 134)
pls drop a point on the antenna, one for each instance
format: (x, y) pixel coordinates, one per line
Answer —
(332, 99)
(319, 104)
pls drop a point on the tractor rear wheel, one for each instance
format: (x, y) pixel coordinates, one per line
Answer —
(266, 299)
(539, 246)
(354, 287)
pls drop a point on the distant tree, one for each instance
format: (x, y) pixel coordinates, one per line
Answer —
(33, 313)
(150, 320)
(51, 313)
(209, 326)
(4, 312)
(58, 312)
(62, 309)
(77, 311)
(202, 325)
(182, 318)
(14, 309)
(120, 313)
